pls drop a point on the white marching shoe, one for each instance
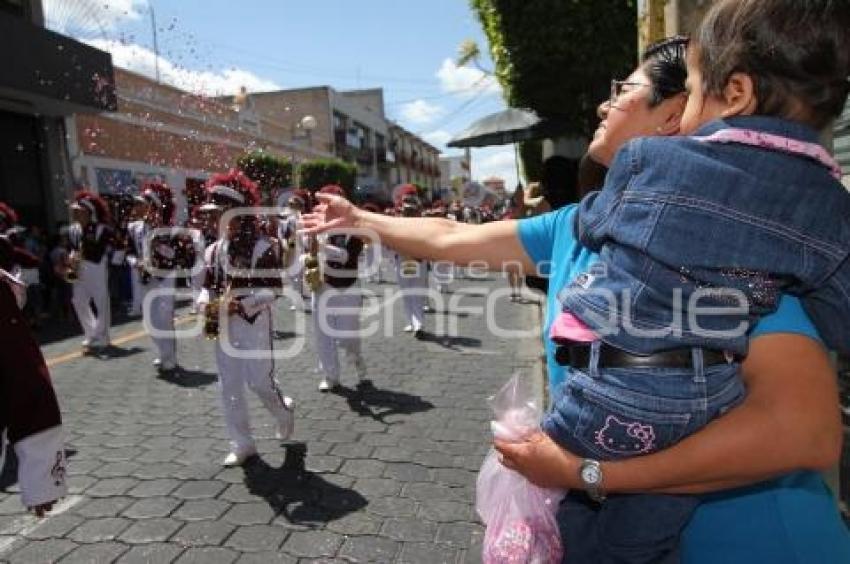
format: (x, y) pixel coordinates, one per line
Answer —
(238, 457)
(286, 427)
(327, 384)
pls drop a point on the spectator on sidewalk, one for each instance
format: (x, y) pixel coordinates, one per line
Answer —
(791, 387)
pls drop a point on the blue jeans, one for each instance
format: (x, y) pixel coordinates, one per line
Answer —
(616, 413)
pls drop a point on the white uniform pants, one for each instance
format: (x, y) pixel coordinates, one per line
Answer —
(414, 289)
(137, 290)
(158, 317)
(235, 372)
(336, 323)
(197, 282)
(92, 286)
(443, 274)
(372, 264)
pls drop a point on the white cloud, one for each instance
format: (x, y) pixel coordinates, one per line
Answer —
(465, 81)
(437, 138)
(420, 112)
(496, 161)
(89, 17)
(143, 61)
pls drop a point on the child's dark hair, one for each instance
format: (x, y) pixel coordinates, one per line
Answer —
(796, 51)
(665, 66)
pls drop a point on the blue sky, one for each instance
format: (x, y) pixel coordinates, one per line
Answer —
(214, 46)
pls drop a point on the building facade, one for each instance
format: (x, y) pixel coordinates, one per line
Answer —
(159, 131)
(46, 77)
(352, 126)
(455, 171)
(416, 161)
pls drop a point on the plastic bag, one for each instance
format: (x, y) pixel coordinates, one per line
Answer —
(519, 516)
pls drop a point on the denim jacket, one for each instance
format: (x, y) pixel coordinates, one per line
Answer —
(683, 226)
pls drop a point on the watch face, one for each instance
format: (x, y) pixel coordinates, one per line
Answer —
(590, 475)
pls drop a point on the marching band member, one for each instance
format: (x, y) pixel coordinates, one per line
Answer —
(373, 254)
(442, 272)
(90, 237)
(157, 254)
(412, 273)
(30, 420)
(241, 297)
(388, 256)
(336, 305)
(288, 235)
(203, 227)
(137, 215)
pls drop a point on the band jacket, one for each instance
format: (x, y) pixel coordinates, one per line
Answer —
(250, 274)
(29, 412)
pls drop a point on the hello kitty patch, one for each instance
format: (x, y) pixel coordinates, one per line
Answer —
(622, 437)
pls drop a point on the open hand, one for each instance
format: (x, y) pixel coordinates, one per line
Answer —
(332, 212)
(541, 461)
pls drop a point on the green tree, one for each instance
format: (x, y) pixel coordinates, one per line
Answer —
(558, 57)
(268, 171)
(316, 173)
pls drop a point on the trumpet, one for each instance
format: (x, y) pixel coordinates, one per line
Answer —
(72, 274)
(312, 269)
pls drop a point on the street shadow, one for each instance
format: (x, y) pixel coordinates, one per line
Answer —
(281, 335)
(368, 401)
(448, 341)
(112, 352)
(60, 328)
(9, 470)
(300, 497)
(188, 378)
(460, 314)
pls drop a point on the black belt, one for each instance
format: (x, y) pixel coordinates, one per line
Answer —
(578, 356)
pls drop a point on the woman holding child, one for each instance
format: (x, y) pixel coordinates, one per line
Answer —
(754, 468)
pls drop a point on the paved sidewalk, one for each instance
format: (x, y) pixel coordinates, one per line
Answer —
(390, 470)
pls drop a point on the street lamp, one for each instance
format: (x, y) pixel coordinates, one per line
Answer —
(306, 124)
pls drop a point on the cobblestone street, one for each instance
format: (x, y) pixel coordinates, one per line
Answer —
(390, 468)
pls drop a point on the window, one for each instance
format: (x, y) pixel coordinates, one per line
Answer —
(111, 180)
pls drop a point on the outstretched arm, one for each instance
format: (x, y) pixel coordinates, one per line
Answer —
(495, 244)
(789, 421)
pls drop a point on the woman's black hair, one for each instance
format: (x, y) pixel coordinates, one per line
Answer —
(558, 181)
(797, 53)
(664, 63)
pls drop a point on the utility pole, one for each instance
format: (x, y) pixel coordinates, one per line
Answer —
(155, 44)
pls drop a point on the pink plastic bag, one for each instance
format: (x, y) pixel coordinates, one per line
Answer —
(519, 516)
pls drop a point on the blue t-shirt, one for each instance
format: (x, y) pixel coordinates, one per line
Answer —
(788, 520)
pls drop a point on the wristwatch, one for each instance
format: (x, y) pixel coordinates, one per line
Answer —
(590, 474)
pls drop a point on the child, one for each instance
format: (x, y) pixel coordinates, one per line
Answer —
(690, 254)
